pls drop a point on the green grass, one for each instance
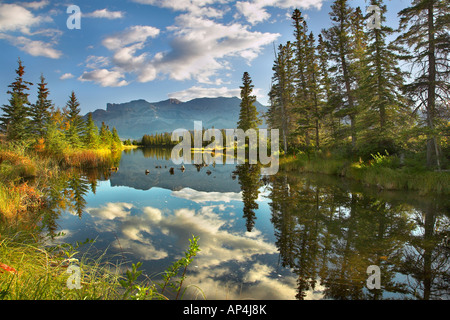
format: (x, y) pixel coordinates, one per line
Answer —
(29, 271)
(384, 172)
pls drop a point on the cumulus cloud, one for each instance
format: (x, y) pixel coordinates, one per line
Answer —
(132, 35)
(111, 211)
(203, 196)
(200, 47)
(33, 47)
(104, 77)
(126, 58)
(66, 76)
(16, 18)
(36, 5)
(205, 92)
(202, 92)
(193, 7)
(104, 13)
(255, 11)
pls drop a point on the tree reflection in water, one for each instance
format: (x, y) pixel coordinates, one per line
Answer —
(67, 191)
(330, 234)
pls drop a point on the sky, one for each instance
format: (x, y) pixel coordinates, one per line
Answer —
(152, 49)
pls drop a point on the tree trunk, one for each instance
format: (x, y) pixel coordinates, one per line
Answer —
(432, 146)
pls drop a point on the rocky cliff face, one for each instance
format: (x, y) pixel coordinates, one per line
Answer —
(136, 118)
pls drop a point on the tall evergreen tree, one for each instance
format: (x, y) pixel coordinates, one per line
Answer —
(248, 116)
(341, 47)
(303, 96)
(425, 29)
(314, 89)
(116, 143)
(385, 110)
(329, 122)
(105, 136)
(40, 111)
(14, 120)
(75, 121)
(91, 137)
(282, 94)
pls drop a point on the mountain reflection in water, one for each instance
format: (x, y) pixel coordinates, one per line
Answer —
(288, 236)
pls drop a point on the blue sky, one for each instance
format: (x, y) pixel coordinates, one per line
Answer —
(152, 49)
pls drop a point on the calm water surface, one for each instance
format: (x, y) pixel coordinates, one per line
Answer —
(289, 236)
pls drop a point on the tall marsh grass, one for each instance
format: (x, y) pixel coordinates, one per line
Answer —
(32, 272)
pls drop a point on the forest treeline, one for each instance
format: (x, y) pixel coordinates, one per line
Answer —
(354, 91)
(48, 128)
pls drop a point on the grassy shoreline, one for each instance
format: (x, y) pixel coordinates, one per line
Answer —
(383, 172)
(33, 266)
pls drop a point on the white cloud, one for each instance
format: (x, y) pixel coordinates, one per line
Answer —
(200, 49)
(202, 92)
(125, 59)
(111, 211)
(203, 196)
(66, 76)
(133, 35)
(104, 77)
(33, 47)
(96, 62)
(104, 13)
(255, 11)
(36, 5)
(201, 46)
(16, 18)
(193, 7)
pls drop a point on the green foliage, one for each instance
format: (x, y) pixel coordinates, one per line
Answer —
(14, 120)
(178, 265)
(40, 111)
(248, 116)
(157, 140)
(347, 93)
(91, 137)
(42, 272)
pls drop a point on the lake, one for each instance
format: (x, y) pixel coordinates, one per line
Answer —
(288, 236)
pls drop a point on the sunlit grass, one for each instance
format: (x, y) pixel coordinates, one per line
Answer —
(382, 172)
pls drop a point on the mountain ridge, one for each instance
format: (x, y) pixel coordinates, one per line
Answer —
(135, 118)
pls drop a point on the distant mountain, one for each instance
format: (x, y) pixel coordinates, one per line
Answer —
(136, 118)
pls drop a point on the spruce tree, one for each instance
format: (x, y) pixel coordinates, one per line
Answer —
(91, 137)
(424, 26)
(14, 120)
(105, 136)
(75, 121)
(116, 143)
(339, 37)
(314, 89)
(248, 116)
(282, 94)
(329, 124)
(40, 111)
(385, 110)
(303, 97)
